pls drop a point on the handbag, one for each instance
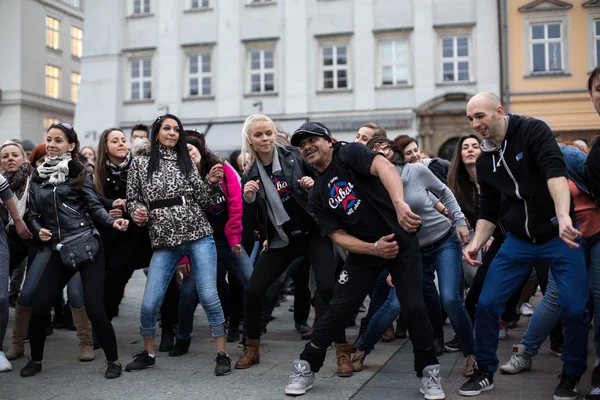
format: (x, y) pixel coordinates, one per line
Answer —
(78, 250)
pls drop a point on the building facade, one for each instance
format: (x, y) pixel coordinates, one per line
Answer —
(409, 65)
(42, 44)
(550, 48)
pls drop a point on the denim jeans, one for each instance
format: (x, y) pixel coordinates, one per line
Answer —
(237, 264)
(203, 260)
(592, 249)
(380, 322)
(510, 267)
(446, 259)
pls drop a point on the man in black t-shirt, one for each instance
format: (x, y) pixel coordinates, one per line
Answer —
(358, 200)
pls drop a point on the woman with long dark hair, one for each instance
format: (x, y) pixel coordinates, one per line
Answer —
(61, 201)
(165, 192)
(124, 251)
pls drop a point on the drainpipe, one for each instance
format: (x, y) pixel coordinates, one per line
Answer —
(504, 54)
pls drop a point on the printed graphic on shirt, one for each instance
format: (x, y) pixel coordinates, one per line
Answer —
(343, 279)
(218, 208)
(342, 195)
(282, 187)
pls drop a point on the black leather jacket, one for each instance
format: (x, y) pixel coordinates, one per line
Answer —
(63, 209)
(294, 167)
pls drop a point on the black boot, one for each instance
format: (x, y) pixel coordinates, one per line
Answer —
(364, 324)
(31, 369)
(167, 339)
(181, 347)
(438, 344)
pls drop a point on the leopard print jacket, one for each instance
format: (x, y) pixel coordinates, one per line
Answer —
(175, 225)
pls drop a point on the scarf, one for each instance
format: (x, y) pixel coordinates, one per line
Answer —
(18, 180)
(55, 169)
(119, 171)
(275, 210)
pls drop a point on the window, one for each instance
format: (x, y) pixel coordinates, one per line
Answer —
(75, 81)
(141, 6)
(546, 48)
(49, 121)
(597, 41)
(52, 81)
(262, 71)
(76, 42)
(260, 1)
(200, 75)
(52, 33)
(73, 3)
(141, 79)
(394, 59)
(335, 66)
(455, 59)
(200, 4)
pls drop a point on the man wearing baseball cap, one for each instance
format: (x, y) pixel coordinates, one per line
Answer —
(358, 199)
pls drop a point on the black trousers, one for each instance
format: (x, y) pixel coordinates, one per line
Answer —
(274, 262)
(19, 249)
(54, 279)
(355, 281)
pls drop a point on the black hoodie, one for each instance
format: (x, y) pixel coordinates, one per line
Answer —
(513, 179)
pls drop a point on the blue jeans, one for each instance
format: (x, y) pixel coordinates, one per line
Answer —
(238, 264)
(446, 259)
(380, 322)
(510, 267)
(203, 260)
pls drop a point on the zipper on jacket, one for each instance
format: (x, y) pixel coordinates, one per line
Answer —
(518, 194)
(70, 208)
(56, 212)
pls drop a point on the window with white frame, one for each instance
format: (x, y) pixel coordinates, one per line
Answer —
(334, 64)
(141, 6)
(597, 41)
(52, 81)
(394, 62)
(546, 47)
(76, 42)
(194, 4)
(52, 33)
(199, 75)
(75, 81)
(455, 58)
(262, 70)
(140, 74)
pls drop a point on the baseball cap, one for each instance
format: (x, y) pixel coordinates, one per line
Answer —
(310, 129)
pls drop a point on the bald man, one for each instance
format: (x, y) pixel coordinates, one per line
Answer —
(522, 179)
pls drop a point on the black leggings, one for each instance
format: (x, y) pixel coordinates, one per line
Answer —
(54, 279)
(274, 262)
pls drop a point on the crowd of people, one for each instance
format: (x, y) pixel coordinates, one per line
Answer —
(425, 239)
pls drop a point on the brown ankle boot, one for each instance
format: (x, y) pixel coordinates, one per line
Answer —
(358, 360)
(251, 354)
(20, 328)
(84, 334)
(389, 335)
(343, 353)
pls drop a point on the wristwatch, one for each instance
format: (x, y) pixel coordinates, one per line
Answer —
(445, 212)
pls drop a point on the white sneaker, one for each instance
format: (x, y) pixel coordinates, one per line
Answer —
(518, 362)
(526, 309)
(301, 380)
(5, 365)
(431, 383)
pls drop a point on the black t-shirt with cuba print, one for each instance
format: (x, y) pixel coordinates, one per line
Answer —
(218, 216)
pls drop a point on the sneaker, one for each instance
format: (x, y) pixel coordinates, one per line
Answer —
(5, 365)
(431, 383)
(567, 388)
(301, 380)
(593, 394)
(519, 361)
(302, 327)
(556, 348)
(480, 381)
(470, 366)
(113, 370)
(142, 361)
(452, 346)
(526, 310)
(502, 334)
(223, 366)
(31, 369)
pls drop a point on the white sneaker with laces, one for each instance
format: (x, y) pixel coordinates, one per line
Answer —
(526, 310)
(518, 362)
(301, 380)
(5, 365)
(431, 383)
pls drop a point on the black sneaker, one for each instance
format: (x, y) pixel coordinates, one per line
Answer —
(566, 389)
(223, 366)
(181, 347)
(167, 340)
(556, 348)
(453, 346)
(31, 369)
(113, 370)
(594, 394)
(142, 361)
(302, 327)
(480, 381)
